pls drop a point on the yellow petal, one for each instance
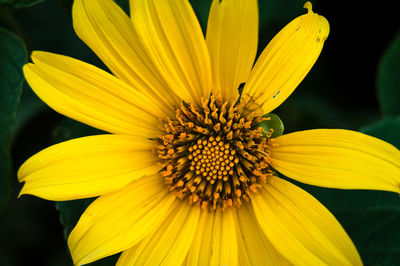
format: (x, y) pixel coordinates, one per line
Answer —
(119, 220)
(286, 60)
(232, 37)
(224, 245)
(200, 251)
(173, 39)
(215, 242)
(254, 246)
(109, 32)
(91, 95)
(300, 227)
(87, 167)
(168, 244)
(338, 159)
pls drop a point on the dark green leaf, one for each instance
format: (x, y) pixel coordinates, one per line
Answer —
(70, 211)
(386, 129)
(388, 81)
(371, 218)
(30, 106)
(12, 58)
(19, 3)
(273, 127)
(70, 129)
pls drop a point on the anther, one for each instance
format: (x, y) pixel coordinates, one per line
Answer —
(214, 155)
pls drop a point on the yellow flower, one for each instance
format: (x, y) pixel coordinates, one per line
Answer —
(186, 175)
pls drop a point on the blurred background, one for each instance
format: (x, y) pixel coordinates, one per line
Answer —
(354, 85)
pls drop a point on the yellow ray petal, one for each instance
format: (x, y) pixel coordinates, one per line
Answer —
(337, 158)
(254, 247)
(224, 248)
(87, 167)
(286, 60)
(91, 95)
(232, 37)
(168, 244)
(200, 251)
(108, 31)
(300, 227)
(119, 220)
(173, 39)
(215, 242)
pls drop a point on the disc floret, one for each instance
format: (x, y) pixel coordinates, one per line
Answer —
(214, 155)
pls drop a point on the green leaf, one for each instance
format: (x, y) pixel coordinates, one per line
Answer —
(19, 3)
(273, 126)
(30, 106)
(12, 58)
(371, 218)
(70, 129)
(387, 129)
(70, 211)
(388, 80)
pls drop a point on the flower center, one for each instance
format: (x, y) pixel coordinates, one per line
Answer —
(213, 159)
(214, 155)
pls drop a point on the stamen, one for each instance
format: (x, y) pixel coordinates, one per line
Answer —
(214, 155)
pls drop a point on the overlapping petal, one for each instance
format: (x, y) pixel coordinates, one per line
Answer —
(224, 244)
(232, 37)
(174, 41)
(215, 242)
(198, 255)
(109, 32)
(300, 227)
(337, 158)
(87, 167)
(168, 244)
(118, 221)
(286, 60)
(92, 96)
(254, 247)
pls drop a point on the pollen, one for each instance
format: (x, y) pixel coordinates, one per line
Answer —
(214, 155)
(212, 159)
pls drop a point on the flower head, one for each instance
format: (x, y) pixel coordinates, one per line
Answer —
(187, 174)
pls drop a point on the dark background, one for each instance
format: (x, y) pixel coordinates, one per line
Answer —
(339, 92)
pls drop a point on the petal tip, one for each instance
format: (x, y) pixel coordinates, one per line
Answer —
(324, 27)
(26, 68)
(308, 6)
(21, 192)
(21, 174)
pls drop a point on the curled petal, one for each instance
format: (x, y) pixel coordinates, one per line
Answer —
(286, 60)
